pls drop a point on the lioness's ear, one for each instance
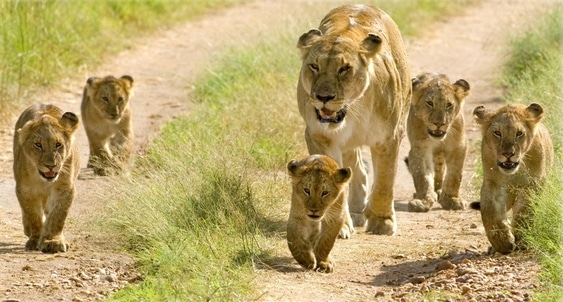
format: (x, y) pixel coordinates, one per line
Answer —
(69, 120)
(480, 114)
(306, 40)
(372, 44)
(23, 132)
(343, 175)
(128, 80)
(461, 89)
(535, 112)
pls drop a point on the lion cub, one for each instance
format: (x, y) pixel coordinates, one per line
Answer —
(46, 165)
(436, 132)
(516, 152)
(106, 115)
(317, 210)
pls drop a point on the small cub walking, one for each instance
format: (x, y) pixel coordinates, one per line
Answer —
(106, 116)
(317, 210)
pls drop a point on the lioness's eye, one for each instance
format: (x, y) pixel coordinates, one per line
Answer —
(324, 194)
(314, 67)
(449, 105)
(430, 104)
(58, 145)
(497, 133)
(519, 134)
(105, 99)
(307, 192)
(344, 70)
(38, 146)
(120, 100)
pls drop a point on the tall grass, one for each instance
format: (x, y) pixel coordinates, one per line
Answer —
(210, 194)
(42, 41)
(534, 73)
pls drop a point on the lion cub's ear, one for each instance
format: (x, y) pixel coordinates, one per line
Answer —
(342, 175)
(128, 80)
(481, 115)
(307, 39)
(534, 112)
(372, 44)
(461, 88)
(69, 120)
(293, 168)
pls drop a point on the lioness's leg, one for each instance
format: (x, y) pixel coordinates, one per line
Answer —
(421, 168)
(379, 211)
(358, 187)
(495, 220)
(450, 199)
(32, 218)
(52, 238)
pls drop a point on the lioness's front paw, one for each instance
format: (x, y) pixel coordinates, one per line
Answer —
(449, 202)
(346, 231)
(325, 267)
(31, 244)
(420, 205)
(381, 226)
(54, 246)
(359, 219)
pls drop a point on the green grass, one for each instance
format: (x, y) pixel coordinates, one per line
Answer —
(210, 198)
(43, 41)
(534, 73)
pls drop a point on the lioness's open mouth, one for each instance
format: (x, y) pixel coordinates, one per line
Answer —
(437, 133)
(327, 116)
(51, 175)
(508, 165)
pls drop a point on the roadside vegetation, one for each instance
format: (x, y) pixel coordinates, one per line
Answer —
(534, 73)
(44, 41)
(209, 200)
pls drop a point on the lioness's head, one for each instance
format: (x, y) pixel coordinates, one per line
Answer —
(317, 182)
(438, 102)
(47, 143)
(110, 95)
(335, 71)
(508, 132)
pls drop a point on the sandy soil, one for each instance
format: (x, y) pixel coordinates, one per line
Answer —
(436, 250)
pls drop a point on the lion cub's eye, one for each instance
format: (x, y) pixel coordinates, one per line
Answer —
(306, 191)
(449, 105)
(105, 99)
(58, 145)
(38, 146)
(314, 67)
(120, 100)
(343, 70)
(519, 134)
(430, 104)
(497, 133)
(324, 194)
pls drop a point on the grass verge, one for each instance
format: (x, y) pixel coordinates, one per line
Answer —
(209, 197)
(534, 73)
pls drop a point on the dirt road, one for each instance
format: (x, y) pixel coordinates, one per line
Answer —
(164, 66)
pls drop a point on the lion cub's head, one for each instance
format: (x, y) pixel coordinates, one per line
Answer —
(335, 71)
(47, 142)
(508, 133)
(110, 95)
(438, 102)
(317, 182)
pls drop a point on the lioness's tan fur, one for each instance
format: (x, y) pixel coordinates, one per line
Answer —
(354, 90)
(106, 115)
(46, 165)
(317, 210)
(516, 152)
(436, 132)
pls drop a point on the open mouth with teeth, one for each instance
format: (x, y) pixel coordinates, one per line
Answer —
(50, 176)
(437, 133)
(508, 165)
(325, 115)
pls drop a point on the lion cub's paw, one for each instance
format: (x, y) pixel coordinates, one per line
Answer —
(54, 246)
(325, 267)
(346, 231)
(451, 202)
(381, 226)
(358, 219)
(31, 244)
(419, 205)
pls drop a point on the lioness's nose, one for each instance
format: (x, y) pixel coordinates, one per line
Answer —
(508, 154)
(325, 98)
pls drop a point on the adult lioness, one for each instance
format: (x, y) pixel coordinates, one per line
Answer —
(46, 164)
(106, 116)
(516, 151)
(317, 210)
(354, 89)
(436, 132)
